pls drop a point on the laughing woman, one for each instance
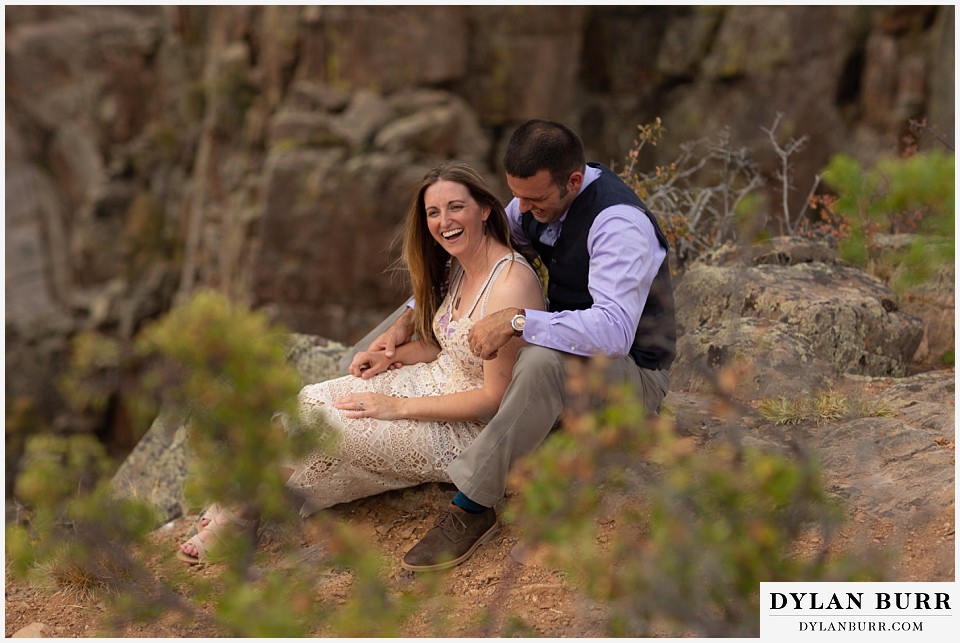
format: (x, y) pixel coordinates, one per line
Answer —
(403, 426)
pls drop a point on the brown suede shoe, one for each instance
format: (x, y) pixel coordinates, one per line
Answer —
(455, 536)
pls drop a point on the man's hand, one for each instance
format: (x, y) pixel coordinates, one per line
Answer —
(399, 333)
(491, 333)
(366, 364)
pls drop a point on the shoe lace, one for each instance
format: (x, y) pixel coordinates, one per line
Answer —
(451, 524)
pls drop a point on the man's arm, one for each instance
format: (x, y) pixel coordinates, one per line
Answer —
(624, 259)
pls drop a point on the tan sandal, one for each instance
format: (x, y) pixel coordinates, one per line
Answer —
(204, 519)
(224, 527)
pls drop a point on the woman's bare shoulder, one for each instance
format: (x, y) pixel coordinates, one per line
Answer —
(517, 286)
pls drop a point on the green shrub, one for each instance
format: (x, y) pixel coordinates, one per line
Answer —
(912, 195)
(227, 369)
(693, 530)
(224, 366)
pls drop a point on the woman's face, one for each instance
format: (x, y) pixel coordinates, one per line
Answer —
(454, 218)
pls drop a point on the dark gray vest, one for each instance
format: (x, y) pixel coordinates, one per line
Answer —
(567, 263)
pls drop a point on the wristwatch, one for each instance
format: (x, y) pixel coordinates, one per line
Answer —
(518, 322)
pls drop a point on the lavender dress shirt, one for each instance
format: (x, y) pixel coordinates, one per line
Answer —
(624, 258)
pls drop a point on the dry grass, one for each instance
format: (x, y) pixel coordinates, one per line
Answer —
(828, 405)
(82, 576)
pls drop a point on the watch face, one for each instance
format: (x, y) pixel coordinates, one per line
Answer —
(518, 323)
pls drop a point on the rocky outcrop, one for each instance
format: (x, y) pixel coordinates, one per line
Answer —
(794, 314)
(786, 320)
(892, 472)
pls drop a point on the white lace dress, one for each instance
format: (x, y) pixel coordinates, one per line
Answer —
(370, 455)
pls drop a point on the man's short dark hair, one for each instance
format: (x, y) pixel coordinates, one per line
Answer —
(544, 145)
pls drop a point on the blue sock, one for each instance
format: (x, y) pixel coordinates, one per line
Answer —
(468, 505)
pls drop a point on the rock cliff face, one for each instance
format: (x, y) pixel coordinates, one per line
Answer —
(270, 151)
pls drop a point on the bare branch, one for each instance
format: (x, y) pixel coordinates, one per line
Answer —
(784, 155)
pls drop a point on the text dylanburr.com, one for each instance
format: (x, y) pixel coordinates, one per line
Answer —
(860, 611)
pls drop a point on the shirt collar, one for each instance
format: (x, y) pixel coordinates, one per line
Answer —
(589, 176)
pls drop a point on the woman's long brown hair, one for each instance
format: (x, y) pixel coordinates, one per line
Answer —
(425, 260)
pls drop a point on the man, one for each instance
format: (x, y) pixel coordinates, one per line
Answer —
(609, 294)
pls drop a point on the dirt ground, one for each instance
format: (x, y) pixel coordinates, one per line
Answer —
(530, 599)
(526, 597)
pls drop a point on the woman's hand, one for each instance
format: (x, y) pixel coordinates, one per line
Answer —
(366, 364)
(370, 405)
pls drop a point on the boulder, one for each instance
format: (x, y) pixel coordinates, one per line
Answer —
(156, 468)
(931, 301)
(315, 358)
(850, 318)
(751, 359)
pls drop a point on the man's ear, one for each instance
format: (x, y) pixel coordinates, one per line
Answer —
(575, 181)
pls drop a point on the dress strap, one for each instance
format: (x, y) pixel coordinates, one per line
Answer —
(485, 291)
(456, 283)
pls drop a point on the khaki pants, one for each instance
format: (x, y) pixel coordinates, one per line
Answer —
(530, 408)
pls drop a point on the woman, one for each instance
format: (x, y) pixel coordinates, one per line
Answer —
(403, 426)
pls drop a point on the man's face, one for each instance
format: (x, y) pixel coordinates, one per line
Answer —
(543, 198)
